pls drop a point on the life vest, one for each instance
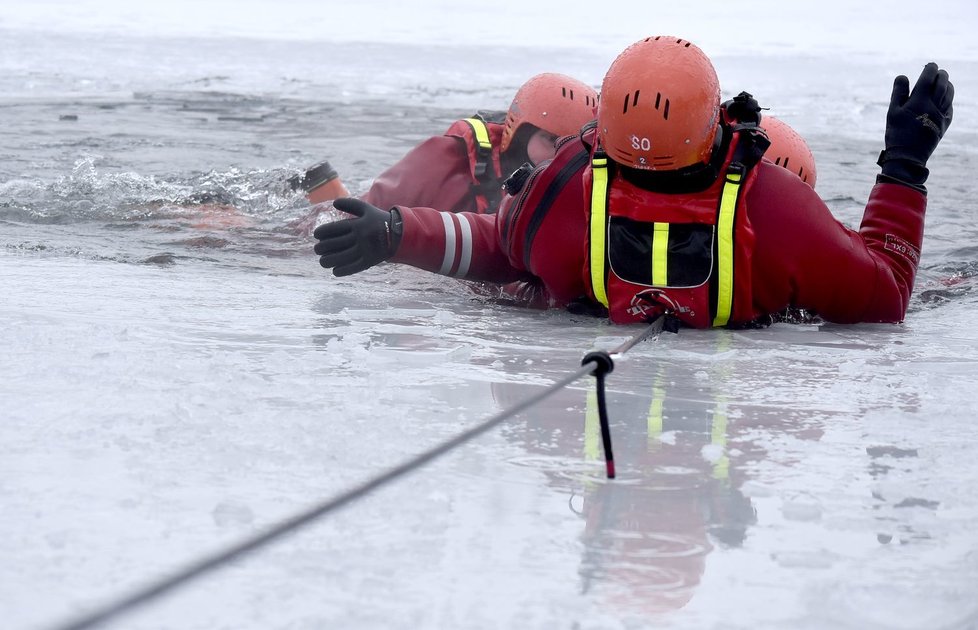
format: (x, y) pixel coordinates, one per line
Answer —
(688, 254)
(482, 134)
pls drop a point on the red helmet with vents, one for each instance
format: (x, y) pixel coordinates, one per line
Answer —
(553, 102)
(788, 149)
(660, 105)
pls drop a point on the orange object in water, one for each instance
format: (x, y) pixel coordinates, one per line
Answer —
(333, 189)
(320, 183)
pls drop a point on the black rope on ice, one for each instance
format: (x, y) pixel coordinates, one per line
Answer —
(604, 364)
(597, 363)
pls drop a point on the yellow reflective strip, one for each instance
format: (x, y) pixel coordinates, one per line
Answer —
(598, 231)
(725, 251)
(592, 432)
(654, 420)
(592, 426)
(660, 257)
(481, 132)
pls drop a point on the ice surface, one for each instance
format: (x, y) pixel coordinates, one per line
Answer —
(177, 372)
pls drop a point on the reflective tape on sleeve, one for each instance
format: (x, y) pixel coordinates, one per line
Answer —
(451, 237)
(466, 255)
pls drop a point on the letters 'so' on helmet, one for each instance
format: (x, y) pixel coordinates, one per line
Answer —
(660, 105)
(553, 102)
(789, 149)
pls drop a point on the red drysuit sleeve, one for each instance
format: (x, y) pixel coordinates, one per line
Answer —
(458, 244)
(805, 258)
(434, 174)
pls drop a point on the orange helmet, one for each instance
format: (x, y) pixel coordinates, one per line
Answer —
(660, 105)
(553, 102)
(788, 149)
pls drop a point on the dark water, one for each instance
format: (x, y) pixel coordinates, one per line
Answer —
(186, 167)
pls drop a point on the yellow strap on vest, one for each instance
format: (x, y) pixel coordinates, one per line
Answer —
(481, 132)
(660, 257)
(725, 248)
(599, 233)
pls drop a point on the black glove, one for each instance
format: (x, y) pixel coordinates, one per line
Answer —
(915, 124)
(352, 245)
(743, 109)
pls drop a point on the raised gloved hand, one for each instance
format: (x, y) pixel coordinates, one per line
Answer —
(352, 245)
(743, 109)
(915, 124)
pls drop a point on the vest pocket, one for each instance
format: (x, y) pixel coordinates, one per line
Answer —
(660, 254)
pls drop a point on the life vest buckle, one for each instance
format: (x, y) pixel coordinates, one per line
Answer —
(735, 173)
(480, 168)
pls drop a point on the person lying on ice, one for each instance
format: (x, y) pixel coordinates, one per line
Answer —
(665, 205)
(463, 169)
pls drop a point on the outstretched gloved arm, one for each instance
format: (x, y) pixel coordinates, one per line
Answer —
(352, 245)
(915, 123)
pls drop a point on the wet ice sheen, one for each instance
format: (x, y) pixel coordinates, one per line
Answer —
(176, 376)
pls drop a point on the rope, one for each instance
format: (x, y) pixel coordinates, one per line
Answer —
(603, 365)
(599, 363)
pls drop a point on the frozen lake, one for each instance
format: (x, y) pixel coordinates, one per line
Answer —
(179, 373)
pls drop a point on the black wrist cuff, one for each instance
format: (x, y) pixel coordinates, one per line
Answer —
(396, 227)
(886, 179)
(314, 177)
(907, 171)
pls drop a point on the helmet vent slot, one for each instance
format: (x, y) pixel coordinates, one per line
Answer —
(659, 104)
(634, 98)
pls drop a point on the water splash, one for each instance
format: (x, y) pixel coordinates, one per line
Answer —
(87, 193)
